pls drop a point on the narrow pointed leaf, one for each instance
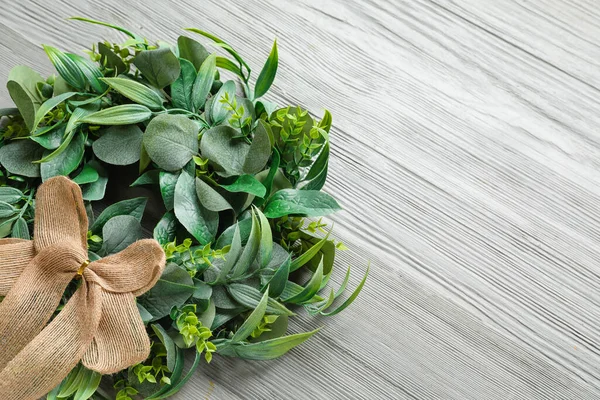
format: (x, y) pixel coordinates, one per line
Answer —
(252, 321)
(267, 75)
(136, 92)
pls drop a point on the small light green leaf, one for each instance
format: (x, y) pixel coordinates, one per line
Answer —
(119, 145)
(210, 198)
(18, 157)
(204, 81)
(197, 219)
(267, 75)
(171, 141)
(247, 184)
(192, 51)
(125, 114)
(66, 67)
(253, 320)
(350, 299)
(308, 203)
(160, 66)
(250, 297)
(136, 92)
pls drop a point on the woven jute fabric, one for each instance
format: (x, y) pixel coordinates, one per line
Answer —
(100, 325)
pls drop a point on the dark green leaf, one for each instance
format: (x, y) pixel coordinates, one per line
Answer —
(118, 233)
(280, 278)
(197, 219)
(267, 75)
(22, 87)
(10, 195)
(165, 230)
(232, 256)
(133, 207)
(92, 73)
(136, 92)
(20, 229)
(147, 178)
(308, 203)
(260, 150)
(210, 198)
(119, 145)
(309, 254)
(247, 184)
(204, 81)
(311, 288)
(226, 237)
(87, 175)
(160, 66)
(171, 141)
(66, 162)
(351, 298)
(181, 89)
(66, 67)
(52, 139)
(173, 289)
(18, 157)
(95, 190)
(167, 182)
(250, 251)
(125, 114)
(273, 348)
(168, 343)
(253, 320)
(192, 51)
(111, 60)
(268, 178)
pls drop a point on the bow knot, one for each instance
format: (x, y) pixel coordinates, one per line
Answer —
(100, 325)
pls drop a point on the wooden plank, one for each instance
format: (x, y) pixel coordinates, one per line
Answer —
(468, 169)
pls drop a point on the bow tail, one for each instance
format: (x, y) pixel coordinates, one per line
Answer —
(121, 339)
(48, 359)
(15, 254)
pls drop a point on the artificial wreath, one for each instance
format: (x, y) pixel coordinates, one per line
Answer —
(239, 176)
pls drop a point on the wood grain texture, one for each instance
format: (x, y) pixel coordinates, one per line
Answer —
(466, 155)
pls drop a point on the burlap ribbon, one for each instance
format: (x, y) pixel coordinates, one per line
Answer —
(100, 325)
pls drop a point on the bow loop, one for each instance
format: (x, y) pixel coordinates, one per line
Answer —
(134, 270)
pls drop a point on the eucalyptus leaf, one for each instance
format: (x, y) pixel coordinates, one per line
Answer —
(134, 207)
(167, 182)
(173, 289)
(119, 145)
(18, 157)
(192, 51)
(118, 233)
(210, 198)
(22, 88)
(171, 141)
(160, 66)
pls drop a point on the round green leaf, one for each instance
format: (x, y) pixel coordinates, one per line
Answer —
(119, 145)
(18, 156)
(171, 141)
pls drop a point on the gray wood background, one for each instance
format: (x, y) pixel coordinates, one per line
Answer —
(466, 152)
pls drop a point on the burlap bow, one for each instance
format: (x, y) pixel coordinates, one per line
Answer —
(100, 324)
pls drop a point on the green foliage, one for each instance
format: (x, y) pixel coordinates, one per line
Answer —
(240, 178)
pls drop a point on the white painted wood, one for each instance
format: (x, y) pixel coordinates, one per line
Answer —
(465, 153)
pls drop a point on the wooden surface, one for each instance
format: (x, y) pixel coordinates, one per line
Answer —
(466, 152)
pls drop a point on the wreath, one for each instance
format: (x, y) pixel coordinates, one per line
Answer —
(240, 179)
